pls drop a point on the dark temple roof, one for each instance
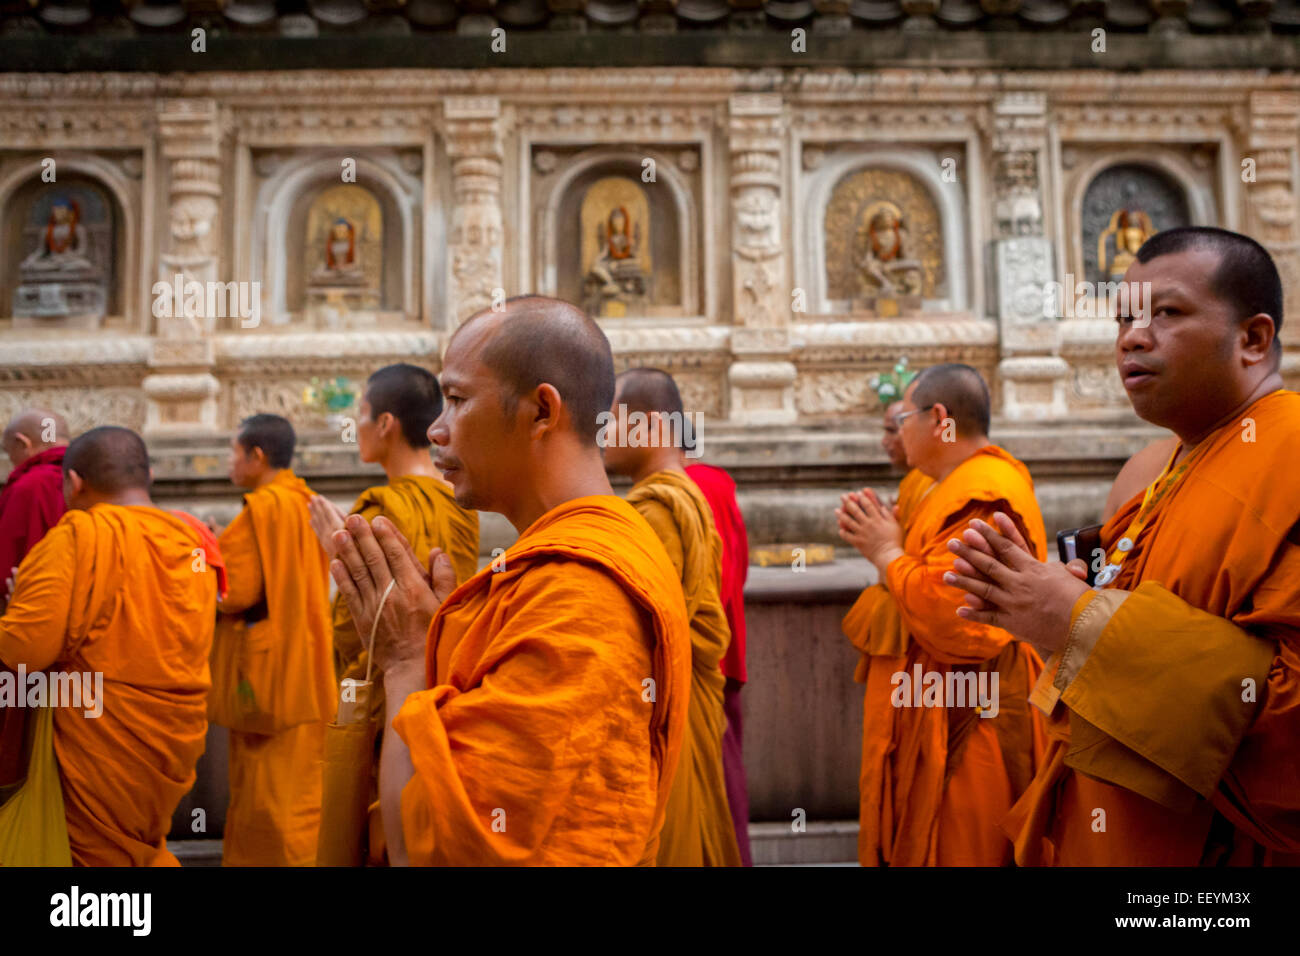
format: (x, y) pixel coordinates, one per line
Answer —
(107, 34)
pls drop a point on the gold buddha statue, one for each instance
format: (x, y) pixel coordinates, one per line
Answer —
(1130, 228)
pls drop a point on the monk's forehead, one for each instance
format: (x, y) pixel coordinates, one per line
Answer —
(463, 364)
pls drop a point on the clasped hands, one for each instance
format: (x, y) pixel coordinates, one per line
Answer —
(1008, 587)
(871, 526)
(367, 558)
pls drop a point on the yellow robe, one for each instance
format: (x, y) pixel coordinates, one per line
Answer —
(698, 830)
(122, 592)
(424, 510)
(936, 781)
(556, 706)
(278, 608)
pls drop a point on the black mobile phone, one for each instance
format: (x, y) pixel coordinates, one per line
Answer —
(1082, 543)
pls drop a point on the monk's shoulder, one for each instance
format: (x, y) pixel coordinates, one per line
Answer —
(579, 592)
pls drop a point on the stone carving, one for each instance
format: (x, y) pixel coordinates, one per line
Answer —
(1019, 212)
(474, 253)
(66, 275)
(616, 243)
(83, 407)
(1127, 187)
(885, 267)
(343, 257)
(834, 393)
(190, 132)
(883, 237)
(1024, 268)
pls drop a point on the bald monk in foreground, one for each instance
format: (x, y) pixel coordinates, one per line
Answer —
(949, 742)
(31, 503)
(1174, 687)
(698, 830)
(279, 700)
(121, 588)
(536, 714)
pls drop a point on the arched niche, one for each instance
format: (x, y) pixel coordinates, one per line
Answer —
(848, 189)
(77, 295)
(583, 208)
(1163, 187)
(298, 201)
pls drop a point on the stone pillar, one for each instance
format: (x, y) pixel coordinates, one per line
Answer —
(1271, 214)
(1031, 373)
(472, 127)
(761, 377)
(180, 387)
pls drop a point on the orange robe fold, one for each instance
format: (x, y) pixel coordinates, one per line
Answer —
(557, 701)
(278, 608)
(1174, 743)
(121, 591)
(936, 781)
(698, 829)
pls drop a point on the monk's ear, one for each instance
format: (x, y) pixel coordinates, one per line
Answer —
(1256, 338)
(549, 408)
(75, 481)
(942, 411)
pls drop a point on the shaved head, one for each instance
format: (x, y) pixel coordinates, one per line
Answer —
(32, 431)
(961, 390)
(649, 390)
(109, 459)
(41, 425)
(538, 340)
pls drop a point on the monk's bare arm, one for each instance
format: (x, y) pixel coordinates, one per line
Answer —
(1138, 472)
(243, 566)
(395, 766)
(34, 628)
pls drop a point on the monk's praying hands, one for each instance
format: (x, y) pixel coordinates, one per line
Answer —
(326, 518)
(1008, 587)
(871, 526)
(370, 559)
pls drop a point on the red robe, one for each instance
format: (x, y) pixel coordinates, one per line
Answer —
(31, 503)
(720, 491)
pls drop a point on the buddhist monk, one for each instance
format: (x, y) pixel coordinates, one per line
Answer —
(122, 589)
(949, 742)
(280, 697)
(719, 490)
(916, 483)
(31, 503)
(698, 830)
(536, 712)
(399, 404)
(1173, 687)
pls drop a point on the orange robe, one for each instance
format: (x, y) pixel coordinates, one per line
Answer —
(698, 830)
(936, 780)
(121, 591)
(278, 608)
(557, 701)
(1176, 703)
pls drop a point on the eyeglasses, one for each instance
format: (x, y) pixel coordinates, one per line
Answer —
(903, 416)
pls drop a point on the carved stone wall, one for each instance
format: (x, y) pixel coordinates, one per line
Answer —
(749, 157)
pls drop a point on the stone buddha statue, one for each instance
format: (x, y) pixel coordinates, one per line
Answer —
(885, 266)
(63, 246)
(342, 265)
(1129, 229)
(616, 274)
